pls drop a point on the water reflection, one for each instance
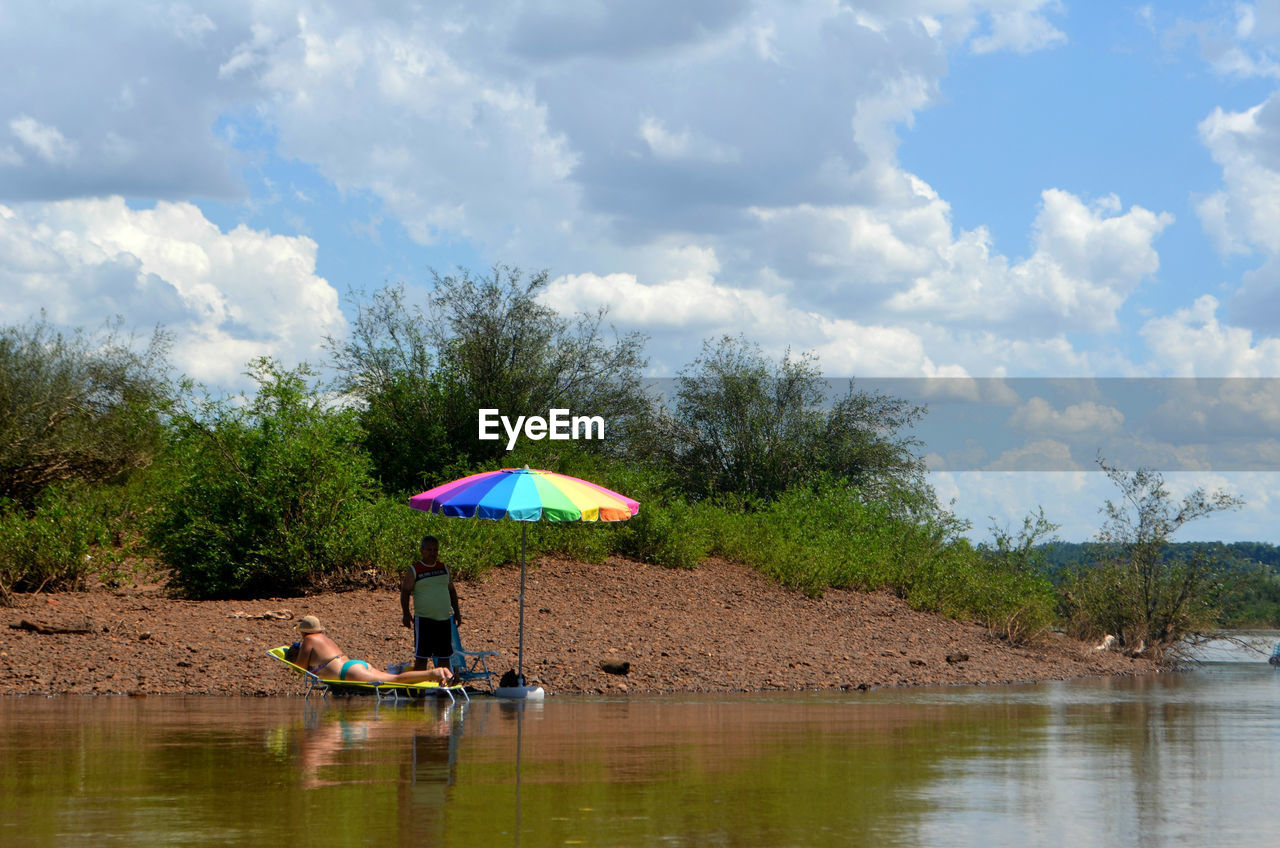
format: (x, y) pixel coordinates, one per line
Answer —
(1162, 760)
(516, 710)
(334, 744)
(390, 768)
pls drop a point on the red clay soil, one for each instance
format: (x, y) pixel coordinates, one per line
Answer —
(719, 628)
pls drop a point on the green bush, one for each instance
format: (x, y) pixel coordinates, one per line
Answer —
(74, 535)
(815, 538)
(665, 532)
(264, 495)
(51, 546)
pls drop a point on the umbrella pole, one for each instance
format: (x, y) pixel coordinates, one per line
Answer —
(524, 534)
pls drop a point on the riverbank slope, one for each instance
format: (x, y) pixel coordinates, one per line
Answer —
(719, 628)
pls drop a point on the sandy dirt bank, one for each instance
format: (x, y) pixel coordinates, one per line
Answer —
(720, 628)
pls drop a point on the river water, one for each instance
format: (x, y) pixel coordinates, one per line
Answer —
(1190, 758)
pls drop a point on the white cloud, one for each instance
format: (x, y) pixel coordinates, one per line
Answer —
(1251, 404)
(190, 27)
(1087, 261)
(45, 141)
(1243, 217)
(1193, 342)
(762, 37)
(763, 132)
(682, 311)
(553, 30)
(116, 99)
(1237, 62)
(691, 302)
(227, 296)
(451, 150)
(683, 145)
(565, 134)
(849, 347)
(1240, 44)
(997, 392)
(1038, 416)
(1037, 455)
(1231, 422)
(1022, 28)
(1245, 214)
(886, 246)
(1102, 243)
(880, 109)
(1007, 497)
(251, 53)
(900, 253)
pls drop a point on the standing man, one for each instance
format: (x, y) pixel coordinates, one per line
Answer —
(435, 606)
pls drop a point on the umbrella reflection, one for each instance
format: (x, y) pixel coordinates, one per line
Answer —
(517, 710)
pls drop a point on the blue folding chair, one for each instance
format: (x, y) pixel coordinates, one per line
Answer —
(469, 666)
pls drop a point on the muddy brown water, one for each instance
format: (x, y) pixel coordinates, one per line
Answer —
(1172, 759)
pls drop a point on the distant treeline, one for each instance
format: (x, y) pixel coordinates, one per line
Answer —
(1240, 555)
(1252, 598)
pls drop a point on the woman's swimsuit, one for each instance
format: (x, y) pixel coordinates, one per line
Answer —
(342, 672)
(342, 675)
(315, 669)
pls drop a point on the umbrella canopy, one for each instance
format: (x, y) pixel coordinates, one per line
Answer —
(525, 494)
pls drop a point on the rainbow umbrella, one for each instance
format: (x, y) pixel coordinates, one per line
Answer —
(524, 494)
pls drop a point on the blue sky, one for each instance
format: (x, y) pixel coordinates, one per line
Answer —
(907, 188)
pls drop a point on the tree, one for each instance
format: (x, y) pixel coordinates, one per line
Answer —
(387, 366)
(745, 424)
(265, 493)
(482, 342)
(1150, 601)
(79, 407)
(499, 347)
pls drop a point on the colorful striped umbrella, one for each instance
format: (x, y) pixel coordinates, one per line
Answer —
(524, 494)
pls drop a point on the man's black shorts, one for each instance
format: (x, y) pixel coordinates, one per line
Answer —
(432, 637)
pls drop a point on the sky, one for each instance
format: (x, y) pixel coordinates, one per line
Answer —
(926, 189)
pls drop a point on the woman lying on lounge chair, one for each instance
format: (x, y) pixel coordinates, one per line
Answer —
(321, 656)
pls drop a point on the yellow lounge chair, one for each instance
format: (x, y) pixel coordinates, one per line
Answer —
(382, 691)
